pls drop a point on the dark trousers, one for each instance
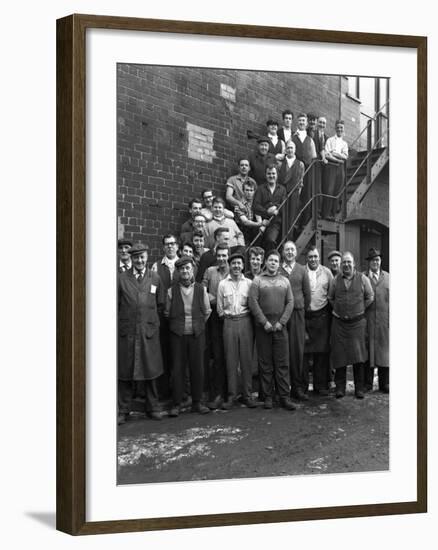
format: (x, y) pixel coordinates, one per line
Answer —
(273, 352)
(382, 374)
(187, 349)
(298, 368)
(333, 182)
(321, 371)
(218, 371)
(270, 236)
(125, 391)
(358, 377)
(164, 382)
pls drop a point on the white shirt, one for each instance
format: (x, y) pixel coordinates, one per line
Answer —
(302, 134)
(338, 145)
(232, 296)
(287, 134)
(319, 285)
(290, 162)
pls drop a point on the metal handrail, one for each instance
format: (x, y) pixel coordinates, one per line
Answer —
(260, 232)
(330, 196)
(374, 118)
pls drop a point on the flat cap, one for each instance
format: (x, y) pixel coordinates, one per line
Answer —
(183, 261)
(122, 242)
(263, 139)
(334, 253)
(138, 248)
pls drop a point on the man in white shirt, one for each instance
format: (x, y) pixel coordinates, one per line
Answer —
(336, 153)
(232, 307)
(318, 320)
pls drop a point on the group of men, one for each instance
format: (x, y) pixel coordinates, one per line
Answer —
(269, 199)
(210, 321)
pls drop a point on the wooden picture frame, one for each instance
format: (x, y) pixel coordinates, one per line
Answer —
(71, 273)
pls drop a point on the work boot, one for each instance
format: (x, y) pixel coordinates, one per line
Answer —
(200, 408)
(287, 404)
(358, 376)
(174, 411)
(268, 403)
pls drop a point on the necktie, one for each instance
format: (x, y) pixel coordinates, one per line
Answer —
(140, 277)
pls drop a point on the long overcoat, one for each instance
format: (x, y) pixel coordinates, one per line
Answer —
(378, 321)
(139, 353)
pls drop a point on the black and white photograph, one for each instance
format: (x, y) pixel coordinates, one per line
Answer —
(253, 273)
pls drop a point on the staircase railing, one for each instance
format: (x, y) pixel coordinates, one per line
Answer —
(342, 193)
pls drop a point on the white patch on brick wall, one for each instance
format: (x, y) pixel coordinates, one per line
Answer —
(200, 146)
(120, 228)
(228, 93)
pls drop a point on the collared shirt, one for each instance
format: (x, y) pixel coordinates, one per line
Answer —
(319, 279)
(187, 298)
(290, 162)
(302, 134)
(288, 267)
(236, 183)
(125, 266)
(338, 145)
(211, 279)
(287, 134)
(374, 276)
(166, 261)
(138, 273)
(232, 296)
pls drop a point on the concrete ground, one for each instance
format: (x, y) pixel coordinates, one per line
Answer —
(324, 435)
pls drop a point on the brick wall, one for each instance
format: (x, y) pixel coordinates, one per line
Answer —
(181, 130)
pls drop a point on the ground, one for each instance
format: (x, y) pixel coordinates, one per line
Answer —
(324, 435)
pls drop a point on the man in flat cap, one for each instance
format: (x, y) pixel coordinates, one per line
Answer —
(140, 299)
(334, 259)
(187, 308)
(232, 306)
(350, 294)
(123, 247)
(260, 159)
(378, 323)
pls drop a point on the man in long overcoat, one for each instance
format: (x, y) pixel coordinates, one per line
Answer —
(139, 355)
(378, 323)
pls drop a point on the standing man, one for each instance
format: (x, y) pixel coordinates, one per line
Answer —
(291, 175)
(334, 259)
(221, 236)
(232, 307)
(350, 294)
(285, 133)
(320, 139)
(260, 160)
(271, 302)
(220, 220)
(311, 124)
(336, 153)
(318, 322)
(234, 194)
(305, 152)
(276, 145)
(378, 323)
(249, 222)
(217, 375)
(165, 268)
(187, 309)
(123, 248)
(140, 299)
(299, 282)
(267, 201)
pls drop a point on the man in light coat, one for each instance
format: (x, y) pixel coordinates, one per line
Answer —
(378, 323)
